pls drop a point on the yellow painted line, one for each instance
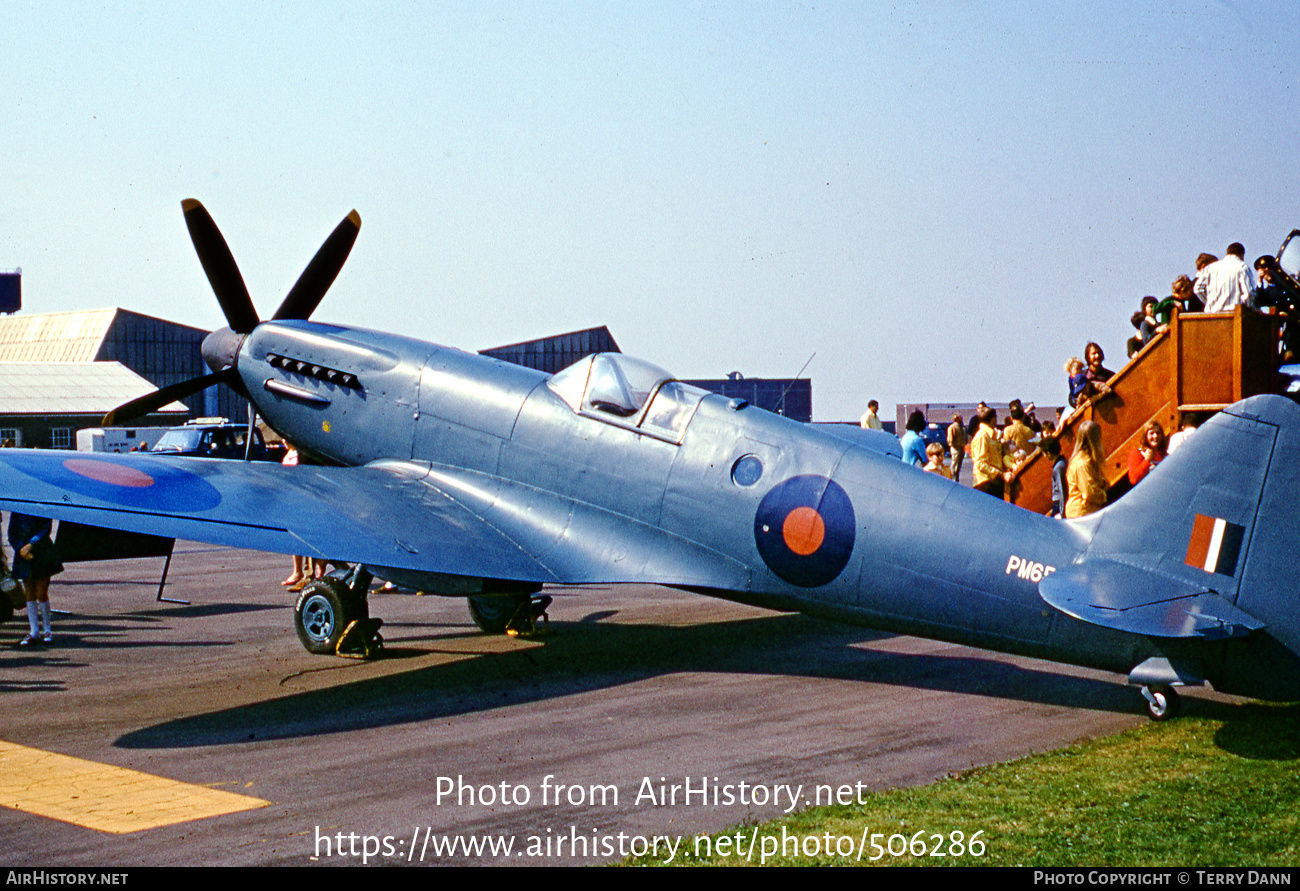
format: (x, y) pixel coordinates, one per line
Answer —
(104, 797)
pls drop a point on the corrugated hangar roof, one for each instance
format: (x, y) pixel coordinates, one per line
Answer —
(55, 336)
(71, 388)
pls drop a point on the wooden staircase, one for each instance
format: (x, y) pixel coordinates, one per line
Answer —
(1203, 363)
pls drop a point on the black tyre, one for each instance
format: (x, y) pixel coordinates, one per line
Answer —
(493, 614)
(1167, 703)
(324, 610)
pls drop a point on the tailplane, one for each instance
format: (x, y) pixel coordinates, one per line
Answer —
(1205, 549)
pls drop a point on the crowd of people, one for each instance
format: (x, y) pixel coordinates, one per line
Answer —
(1221, 285)
(1079, 485)
(996, 450)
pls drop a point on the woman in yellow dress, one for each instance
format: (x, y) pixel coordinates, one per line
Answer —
(1086, 482)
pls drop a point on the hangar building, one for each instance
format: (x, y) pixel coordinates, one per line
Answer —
(44, 404)
(161, 352)
(791, 398)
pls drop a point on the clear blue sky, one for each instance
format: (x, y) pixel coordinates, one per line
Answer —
(943, 200)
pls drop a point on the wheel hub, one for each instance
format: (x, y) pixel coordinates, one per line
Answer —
(318, 618)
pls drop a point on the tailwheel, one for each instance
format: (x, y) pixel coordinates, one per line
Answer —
(515, 614)
(333, 619)
(1163, 702)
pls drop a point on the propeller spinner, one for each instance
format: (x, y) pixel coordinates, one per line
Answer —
(221, 347)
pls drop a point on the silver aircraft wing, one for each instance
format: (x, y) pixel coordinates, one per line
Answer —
(397, 514)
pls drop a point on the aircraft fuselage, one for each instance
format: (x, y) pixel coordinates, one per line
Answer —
(901, 550)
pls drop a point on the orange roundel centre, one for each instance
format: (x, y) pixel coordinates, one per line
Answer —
(105, 472)
(803, 530)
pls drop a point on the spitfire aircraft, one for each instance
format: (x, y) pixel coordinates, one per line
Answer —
(466, 476)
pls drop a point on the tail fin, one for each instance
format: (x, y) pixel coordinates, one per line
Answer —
(1207, 545)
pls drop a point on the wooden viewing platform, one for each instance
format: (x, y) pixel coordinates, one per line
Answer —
(1204, 362)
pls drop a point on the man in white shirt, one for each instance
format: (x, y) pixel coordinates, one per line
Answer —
(1225, 283)
(1190, 421)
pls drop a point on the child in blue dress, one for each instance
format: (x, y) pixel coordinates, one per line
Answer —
(35, 560)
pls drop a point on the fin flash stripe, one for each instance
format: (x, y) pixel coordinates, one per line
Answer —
(1214, 545)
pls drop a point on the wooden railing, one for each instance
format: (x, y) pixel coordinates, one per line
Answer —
(1203, 363)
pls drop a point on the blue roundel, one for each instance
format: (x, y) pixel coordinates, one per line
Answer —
(804, 530)
(158, 484)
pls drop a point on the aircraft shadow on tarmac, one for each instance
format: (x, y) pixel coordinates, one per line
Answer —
(200, 610)
(88, 631)
(581, 657)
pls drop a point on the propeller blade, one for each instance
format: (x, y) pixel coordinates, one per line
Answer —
(219, 264)
(153, 401)
(309, 290)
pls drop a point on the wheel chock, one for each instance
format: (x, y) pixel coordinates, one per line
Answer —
(360, 640)
(524, 622)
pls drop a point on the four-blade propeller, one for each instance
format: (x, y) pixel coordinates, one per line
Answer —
(221, 346)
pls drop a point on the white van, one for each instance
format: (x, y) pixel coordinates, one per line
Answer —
(118, 439)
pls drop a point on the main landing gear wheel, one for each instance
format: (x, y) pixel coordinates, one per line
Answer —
(1163, 702)
(332, 620)
(508, 614)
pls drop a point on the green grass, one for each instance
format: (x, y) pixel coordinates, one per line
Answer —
(1219, 789)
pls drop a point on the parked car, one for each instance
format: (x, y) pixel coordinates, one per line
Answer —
(212, 438)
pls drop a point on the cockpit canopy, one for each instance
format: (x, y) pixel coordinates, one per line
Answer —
(616, 388)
